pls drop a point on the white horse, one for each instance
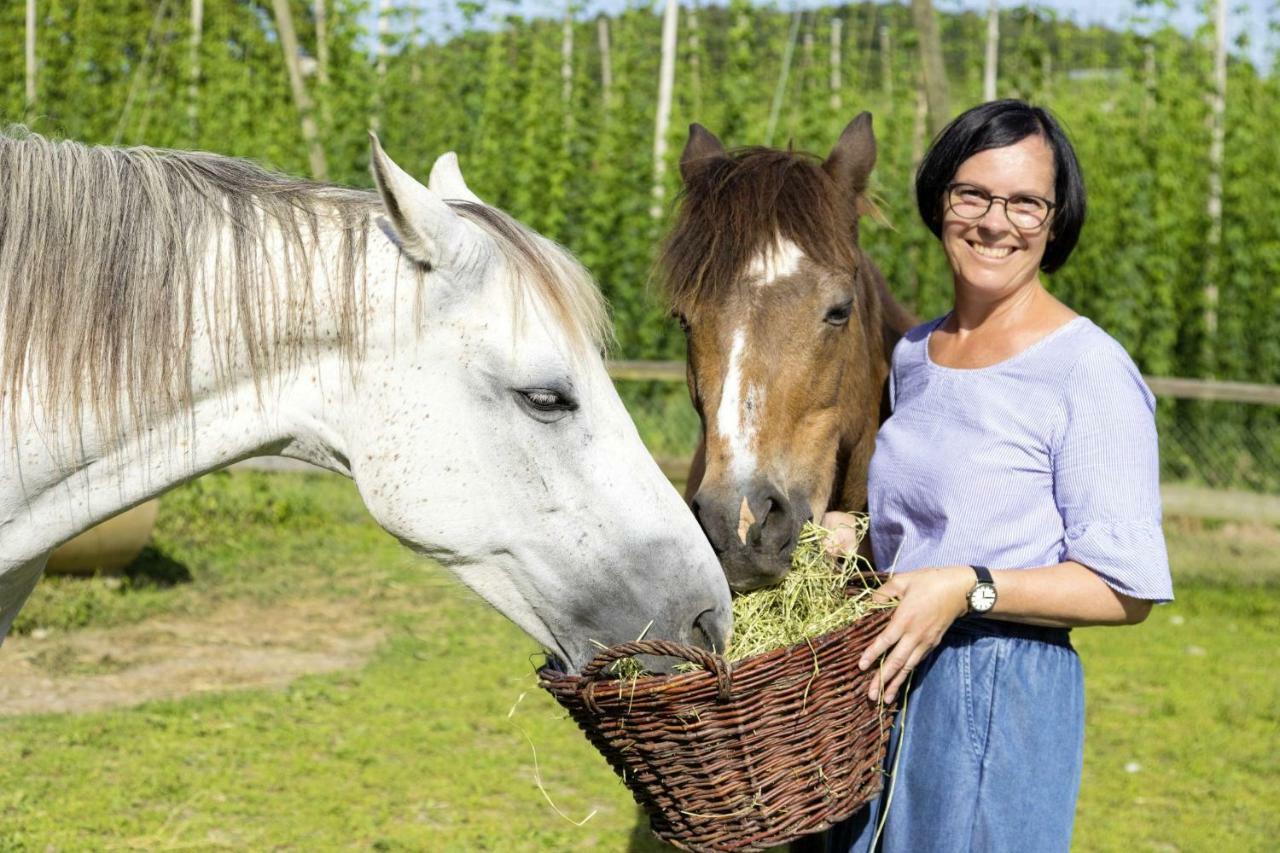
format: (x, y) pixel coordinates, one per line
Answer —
(163, 314)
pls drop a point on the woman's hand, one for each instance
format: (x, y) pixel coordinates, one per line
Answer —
(844, 538)
(929, 600)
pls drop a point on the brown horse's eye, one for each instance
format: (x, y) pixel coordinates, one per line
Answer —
(839, 315)
(683, 321)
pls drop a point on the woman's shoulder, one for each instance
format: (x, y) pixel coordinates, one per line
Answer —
(1098, 364)
(915, 340)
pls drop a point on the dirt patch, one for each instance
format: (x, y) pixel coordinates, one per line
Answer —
(236, 646)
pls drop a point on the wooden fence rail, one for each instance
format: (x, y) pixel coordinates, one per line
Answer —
(1161, 386)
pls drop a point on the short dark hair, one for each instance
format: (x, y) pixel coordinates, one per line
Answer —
(996, 124)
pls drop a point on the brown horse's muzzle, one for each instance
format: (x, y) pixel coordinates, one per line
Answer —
(754, 533)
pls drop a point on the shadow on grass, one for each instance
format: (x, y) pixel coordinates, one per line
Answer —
(156, 569)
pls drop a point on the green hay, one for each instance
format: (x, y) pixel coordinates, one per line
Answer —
(812, 600)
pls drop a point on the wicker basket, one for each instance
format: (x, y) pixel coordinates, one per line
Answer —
(739, 756)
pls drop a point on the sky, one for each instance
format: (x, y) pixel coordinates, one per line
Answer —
(1244, 16)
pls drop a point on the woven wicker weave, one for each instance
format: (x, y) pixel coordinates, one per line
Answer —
(739, 756)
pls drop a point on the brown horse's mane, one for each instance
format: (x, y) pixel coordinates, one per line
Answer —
(735, 205)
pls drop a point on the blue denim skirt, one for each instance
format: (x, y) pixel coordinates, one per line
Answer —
(991, 746)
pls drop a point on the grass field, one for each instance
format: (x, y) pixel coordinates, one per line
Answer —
(415, 750)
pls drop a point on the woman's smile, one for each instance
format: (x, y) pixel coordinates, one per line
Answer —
(991, 253)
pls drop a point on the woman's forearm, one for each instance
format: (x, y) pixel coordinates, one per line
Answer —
(1065, 595)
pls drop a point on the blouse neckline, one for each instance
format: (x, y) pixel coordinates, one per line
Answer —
(928, 359)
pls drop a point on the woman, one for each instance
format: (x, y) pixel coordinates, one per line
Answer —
(1015, 493)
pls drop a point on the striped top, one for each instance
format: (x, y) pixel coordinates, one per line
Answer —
(1045, 457)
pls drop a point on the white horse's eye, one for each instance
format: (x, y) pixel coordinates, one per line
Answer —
(547, 403)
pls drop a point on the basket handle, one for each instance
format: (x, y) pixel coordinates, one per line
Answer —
(709, 661)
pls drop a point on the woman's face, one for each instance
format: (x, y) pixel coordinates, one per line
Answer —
(991, 256)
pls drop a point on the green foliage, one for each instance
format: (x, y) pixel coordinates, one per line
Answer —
(1135, 103)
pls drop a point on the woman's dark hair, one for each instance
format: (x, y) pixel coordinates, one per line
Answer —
(996, 124)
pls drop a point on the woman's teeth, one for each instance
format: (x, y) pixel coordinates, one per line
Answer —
(995, 252)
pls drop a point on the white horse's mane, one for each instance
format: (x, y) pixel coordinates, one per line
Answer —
(104, 252)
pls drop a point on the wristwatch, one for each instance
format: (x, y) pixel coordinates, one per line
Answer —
(983, 595)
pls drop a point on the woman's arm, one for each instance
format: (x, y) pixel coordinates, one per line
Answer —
(1063, 595)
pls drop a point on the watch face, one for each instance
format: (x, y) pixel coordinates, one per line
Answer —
(982, 598)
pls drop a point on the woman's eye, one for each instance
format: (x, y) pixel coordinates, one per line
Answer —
(839, 315)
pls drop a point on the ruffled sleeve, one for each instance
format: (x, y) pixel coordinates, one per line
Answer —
(1106, 473)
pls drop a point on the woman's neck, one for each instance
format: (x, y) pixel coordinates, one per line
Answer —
(977, 310)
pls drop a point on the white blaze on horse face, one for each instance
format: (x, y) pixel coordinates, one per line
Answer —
(738, 422)
(777, 261)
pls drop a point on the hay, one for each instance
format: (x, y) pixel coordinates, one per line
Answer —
(812, 600)
(820, 594)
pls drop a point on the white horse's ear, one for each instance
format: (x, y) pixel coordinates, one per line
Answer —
(446, 180)
(428, 228)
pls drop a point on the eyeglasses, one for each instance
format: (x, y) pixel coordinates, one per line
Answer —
(1024, 211)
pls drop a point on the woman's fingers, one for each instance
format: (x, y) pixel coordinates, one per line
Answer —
(894, 588)
(884, 641)
(917, 655)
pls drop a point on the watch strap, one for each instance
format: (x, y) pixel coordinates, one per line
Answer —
(983, 573)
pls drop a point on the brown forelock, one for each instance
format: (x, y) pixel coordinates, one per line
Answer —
(735, 205)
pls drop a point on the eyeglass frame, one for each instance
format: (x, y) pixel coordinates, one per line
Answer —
(992, 198)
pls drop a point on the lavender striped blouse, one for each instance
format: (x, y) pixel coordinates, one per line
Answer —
(1045, 457)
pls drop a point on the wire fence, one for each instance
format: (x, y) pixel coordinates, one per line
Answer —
(1213, 435)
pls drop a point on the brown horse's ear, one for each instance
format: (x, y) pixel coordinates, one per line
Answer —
(700, 150)
(851, 161)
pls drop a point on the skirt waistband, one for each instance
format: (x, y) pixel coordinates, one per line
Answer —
(977, 626)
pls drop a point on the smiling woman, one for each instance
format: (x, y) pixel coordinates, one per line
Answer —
(1021, 438)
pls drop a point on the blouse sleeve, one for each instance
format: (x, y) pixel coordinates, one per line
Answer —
(1106, 473)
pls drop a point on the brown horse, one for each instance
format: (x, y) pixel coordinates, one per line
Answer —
(790, 328)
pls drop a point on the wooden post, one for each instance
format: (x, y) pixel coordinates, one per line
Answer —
(993, 51)
(935, 72)
(193, 86)
(289, 44)
(695, 59)
(886, 61)
(662, 118)
(380, 53)
(780, 91)
(566, 56)
(31, 60)
(415, 48)
(1217, 111)
(837, 27)
(606, 60)
(322, 42)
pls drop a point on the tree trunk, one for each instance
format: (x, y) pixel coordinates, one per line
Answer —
(1217, 110)
(837, 26)
(662, 118)
(606, 60)
(935, 72)
(993, 51)
(31, 60)
(193, 86)
(289, 44)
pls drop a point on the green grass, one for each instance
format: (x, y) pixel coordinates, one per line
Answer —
(415, 750)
